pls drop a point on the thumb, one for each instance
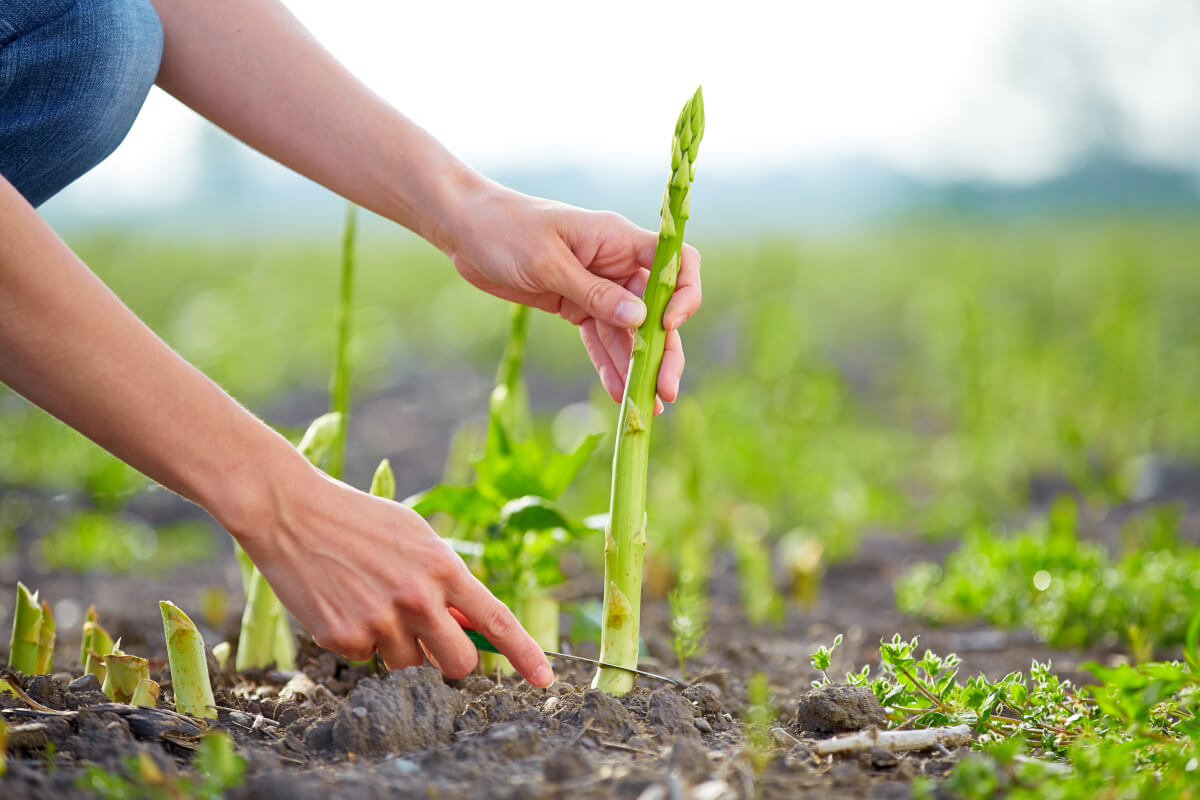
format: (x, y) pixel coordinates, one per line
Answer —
(601, 298)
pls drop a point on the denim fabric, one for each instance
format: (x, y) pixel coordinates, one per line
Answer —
(73, 75)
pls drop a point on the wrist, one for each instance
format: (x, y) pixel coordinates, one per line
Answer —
(251, 495)
(426, 189)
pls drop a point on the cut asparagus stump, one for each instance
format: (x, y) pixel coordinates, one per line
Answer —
(123, 674)
(189, 668)
(26, 632)
(625, 538)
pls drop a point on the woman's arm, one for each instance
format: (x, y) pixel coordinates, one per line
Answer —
(253, 69)
(360, 573)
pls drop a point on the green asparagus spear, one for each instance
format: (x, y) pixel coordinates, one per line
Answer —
(46, 639)
(189, 667)
(26, 631)
(383, 482)
(625, 539)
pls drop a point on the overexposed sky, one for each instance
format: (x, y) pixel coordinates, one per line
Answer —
(1003, 89)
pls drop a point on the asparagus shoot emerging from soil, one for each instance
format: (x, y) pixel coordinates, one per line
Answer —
(95, 646)
(189, 668)
(266, 634)
(383, 482)
(26, 632)
(625, 539)
(46, 638)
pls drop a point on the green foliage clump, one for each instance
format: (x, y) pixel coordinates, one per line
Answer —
(1133, 735)
(1068, 591)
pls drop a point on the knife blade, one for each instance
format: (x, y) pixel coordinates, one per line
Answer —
(484, 646)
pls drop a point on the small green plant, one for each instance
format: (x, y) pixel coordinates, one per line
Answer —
(625, 538)
(1068, 591)
(822, 659)
(689, 622)
(189, 667)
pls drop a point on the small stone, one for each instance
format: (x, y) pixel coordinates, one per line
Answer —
(702, 725)
(397, 767)
(881, 758)
(85, 683)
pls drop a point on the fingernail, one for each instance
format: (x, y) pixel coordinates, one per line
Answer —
(543, 677)
(631, 312)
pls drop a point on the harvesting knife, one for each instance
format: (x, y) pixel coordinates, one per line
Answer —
(484, 646)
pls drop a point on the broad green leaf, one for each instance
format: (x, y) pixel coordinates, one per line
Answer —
(463, 503)
(561, 468)
(532, 513)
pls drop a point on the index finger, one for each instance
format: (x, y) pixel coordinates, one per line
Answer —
(686, 300)
(493, 619)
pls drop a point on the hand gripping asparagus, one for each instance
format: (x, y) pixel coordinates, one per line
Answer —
(625, 539)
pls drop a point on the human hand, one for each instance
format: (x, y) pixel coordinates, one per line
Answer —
(363, 574)
(590, 267)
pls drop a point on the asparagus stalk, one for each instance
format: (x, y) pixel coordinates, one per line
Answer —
(26, 631)
(189, 668)
(625, 539)
(95, 646)
(339, 385)
(383, 482)
(266, 635)
(46, 639)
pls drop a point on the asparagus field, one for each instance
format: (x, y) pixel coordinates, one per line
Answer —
(925, 522)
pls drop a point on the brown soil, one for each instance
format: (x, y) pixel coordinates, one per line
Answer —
(339, 731)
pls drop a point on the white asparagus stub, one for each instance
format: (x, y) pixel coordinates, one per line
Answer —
(896, 741)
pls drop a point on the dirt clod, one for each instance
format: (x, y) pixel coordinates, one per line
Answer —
(410, 709)
(837, 709)
(602, 713)
(671, 712)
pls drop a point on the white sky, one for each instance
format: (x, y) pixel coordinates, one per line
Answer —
(936, 87)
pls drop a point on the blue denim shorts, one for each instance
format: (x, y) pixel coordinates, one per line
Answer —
(73, 75)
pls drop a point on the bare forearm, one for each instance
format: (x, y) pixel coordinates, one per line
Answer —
(253, 69)
(70, 346)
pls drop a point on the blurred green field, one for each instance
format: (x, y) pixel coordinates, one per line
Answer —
(910, 378)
